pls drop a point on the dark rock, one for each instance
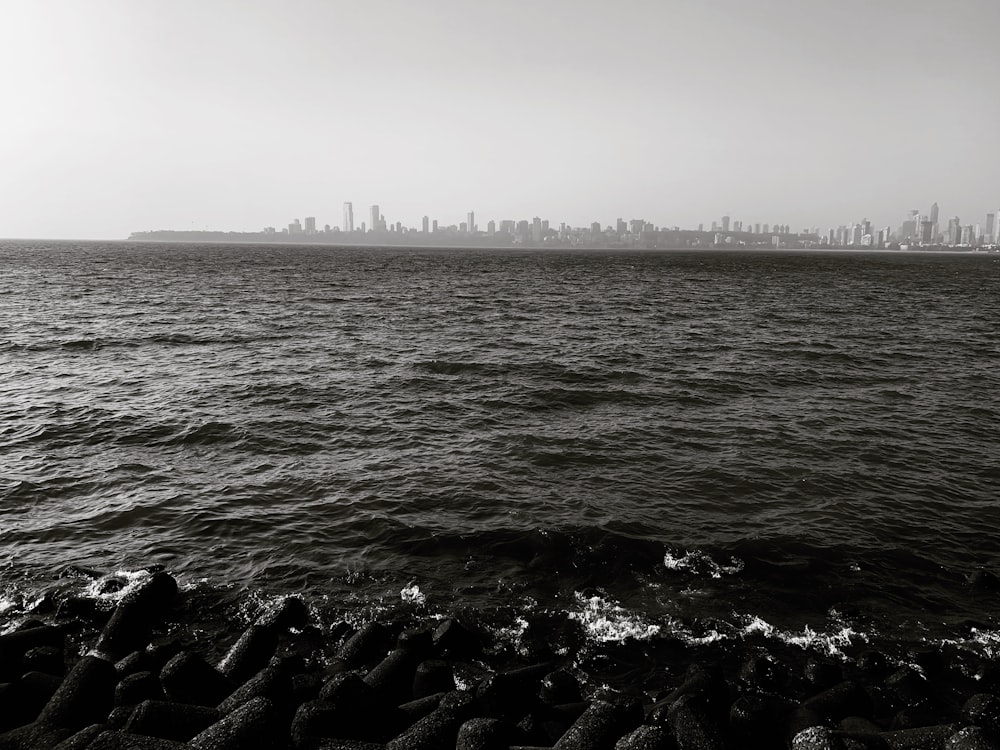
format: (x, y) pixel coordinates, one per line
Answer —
(253, 725)
(119, 716)
(874, 664)
(757, 719)
(131, 623)
(392, 678)
(971, 738)
(692, 724)
(250, 654)
(348, 708)
(14, 645)
(290, 612)
(171, 721)
(419, 708)
(138, 687)
(188, 678)
(418, 640)
(483, 734)
(647, 737)
(48, 659)
(822, 674)
(305, 687)
(560, 687)
(983, 710)
(433, 676)
(452, 638)
(816, 738)
(369, 643)
(82, 739)
(34, 690)
(437, 730)
(119, 740)
(512, 693)
(273, 683)
(348, 745)
(86, 696)
(923, 738)
(763, 672)
(602, 725)
(847, 698)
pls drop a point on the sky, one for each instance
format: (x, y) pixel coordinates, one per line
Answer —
(130, 115)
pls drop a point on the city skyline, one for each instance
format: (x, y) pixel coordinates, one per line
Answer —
(193, 115)
(915, 226)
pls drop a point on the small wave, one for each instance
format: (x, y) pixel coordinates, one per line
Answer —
(604, 621)
(701, 563)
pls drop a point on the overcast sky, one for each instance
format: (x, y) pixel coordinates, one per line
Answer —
(125, 115)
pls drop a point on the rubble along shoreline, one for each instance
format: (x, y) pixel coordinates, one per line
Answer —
(435, 685)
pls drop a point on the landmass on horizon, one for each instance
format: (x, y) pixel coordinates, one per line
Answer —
(917, 230)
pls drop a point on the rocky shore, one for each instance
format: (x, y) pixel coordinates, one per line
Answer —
(288, 682)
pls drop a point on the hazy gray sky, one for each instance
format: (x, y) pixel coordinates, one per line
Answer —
(124, 115)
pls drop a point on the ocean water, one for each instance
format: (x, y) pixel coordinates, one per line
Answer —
(698, 447)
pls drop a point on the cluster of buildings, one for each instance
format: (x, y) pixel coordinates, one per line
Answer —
(916, 230)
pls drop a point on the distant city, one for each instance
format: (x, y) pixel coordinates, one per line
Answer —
(916, 230)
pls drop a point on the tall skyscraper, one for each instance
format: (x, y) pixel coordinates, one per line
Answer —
(425, 224)
(725, 223)
(376, 218)
(933, 217)
(348, 217)
(470, 221)
(990, 235)
(311, 224)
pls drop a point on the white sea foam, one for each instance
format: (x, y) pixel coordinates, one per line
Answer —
(700, 563)
(986, 643)
(831, 643)
(604, 621)
(412, 594)
(129, 581)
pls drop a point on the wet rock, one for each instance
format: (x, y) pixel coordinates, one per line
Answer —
(971, 738)
(130, 626)
(392, 678)
(187, 678)
(170, 721)
(119, 740)
(86, 696)
(816, 738)
(560, 687)
(14, 646)
(138, 687)
(439, 729)
(369, 643)
(983, 710)
(693, 726)
(273, 682)
(432, 676)
(510, 694)
(250, 654)
(48, 659)
(647, 737)
(82, 739)
(763, 672)
(847, 698)
(822, 674)
(290, 612)
(923, 738)
(602, 725)
(483, 734)
(253, 725)
(452, 638)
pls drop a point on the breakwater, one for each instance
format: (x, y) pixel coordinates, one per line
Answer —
(142, 674)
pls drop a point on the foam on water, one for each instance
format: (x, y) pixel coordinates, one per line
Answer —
(605, 621)
(701, 563)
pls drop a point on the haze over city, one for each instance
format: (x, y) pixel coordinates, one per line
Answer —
(124, 117)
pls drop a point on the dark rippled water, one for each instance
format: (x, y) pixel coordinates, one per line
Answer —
(798, 445)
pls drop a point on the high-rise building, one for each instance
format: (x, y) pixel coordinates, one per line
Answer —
(491, 227)
(470, 221)
(536, 229)
(295, 227)
(725, 223)
(425, 224)
(954, 231)
(310, 225)
(933, 217)
(348, 216)
(990, 235)
(376, 218)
